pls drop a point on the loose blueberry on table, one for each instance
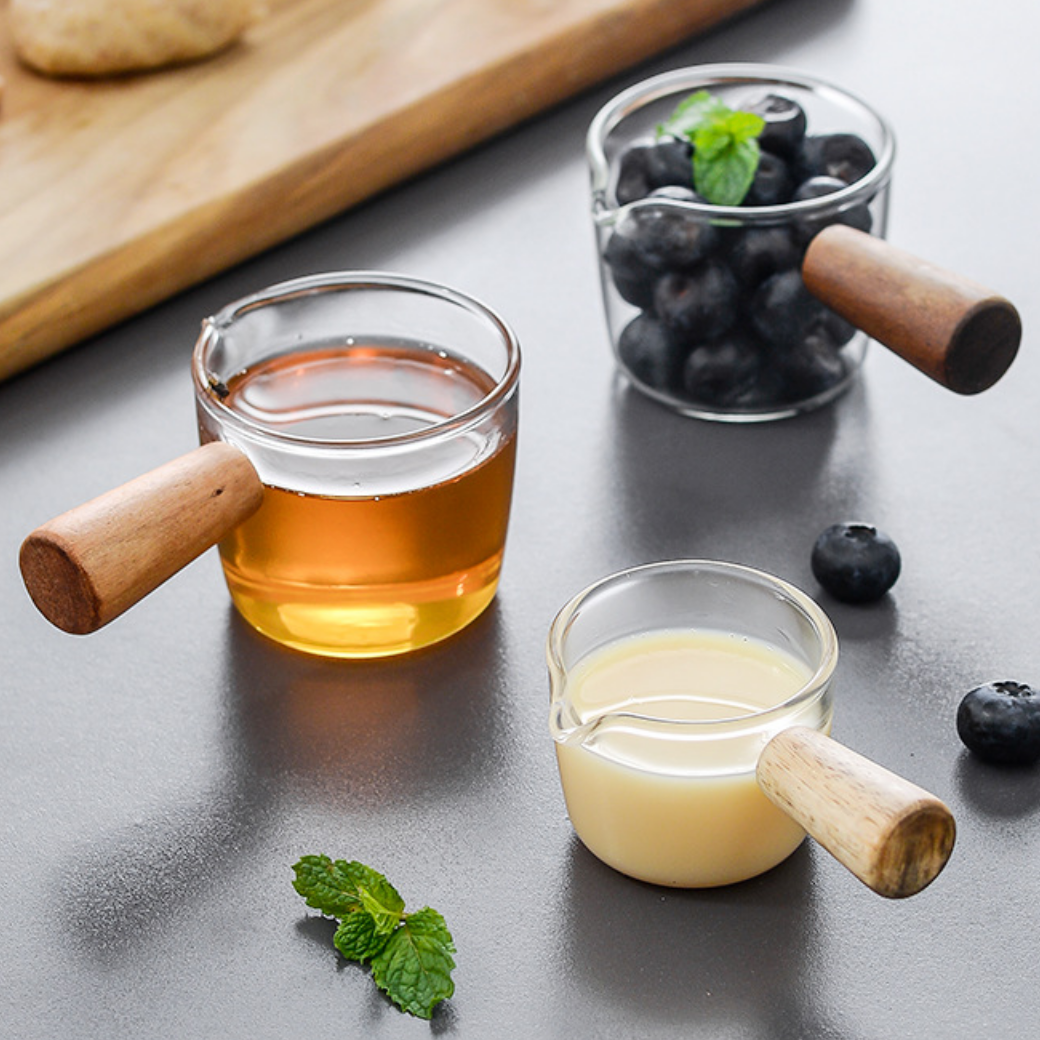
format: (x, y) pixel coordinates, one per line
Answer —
(725, 321)
(1000, 722)
(855, 563)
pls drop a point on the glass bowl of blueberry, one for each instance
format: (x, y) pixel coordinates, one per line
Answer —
(708, 183)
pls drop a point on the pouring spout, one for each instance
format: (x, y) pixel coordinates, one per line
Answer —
(568, 728)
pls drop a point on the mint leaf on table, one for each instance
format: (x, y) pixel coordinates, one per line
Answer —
(725, 146)
(381, 901)
(410, 954)
(357, 939)
(327, 886)
(414, 968)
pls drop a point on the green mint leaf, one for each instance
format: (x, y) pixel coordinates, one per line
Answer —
(410, 954)
(691, 114)
(341, 887)
(745, 126)
(710, 142)
(357, 938)
(326, 885)
(382, 902)
(375, 893)
(725, 146)
(723, 174)
(414, 967)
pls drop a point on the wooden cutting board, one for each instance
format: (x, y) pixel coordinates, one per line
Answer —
(116, 194)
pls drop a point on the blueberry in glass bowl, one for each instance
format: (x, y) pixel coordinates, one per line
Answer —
(708, 185)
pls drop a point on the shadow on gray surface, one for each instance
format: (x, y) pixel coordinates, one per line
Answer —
(760, 986)
(1002, 792)
(370, 733)
(354, 736)
(676, 474)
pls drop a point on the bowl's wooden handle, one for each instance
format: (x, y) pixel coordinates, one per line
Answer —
(87, 566)
(962, 335)
(894, 836)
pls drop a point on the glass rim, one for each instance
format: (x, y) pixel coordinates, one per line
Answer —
(701, 728)
(690, 77)
(311, 285)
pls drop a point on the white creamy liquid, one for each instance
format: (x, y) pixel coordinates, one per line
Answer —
(665, 804)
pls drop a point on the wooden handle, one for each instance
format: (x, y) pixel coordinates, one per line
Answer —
(894, 836)
(962, 335)
(87, 566)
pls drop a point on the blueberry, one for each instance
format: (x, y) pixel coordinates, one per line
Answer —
(811, 367)
(697, 305)
(632, 276)
(759, 252)
(857, 216)
(773, 183)
(652, 239)
(783, 311)
(647, 351)
(665, 236)
(817, 186)
(855, 563)
(724, 373)
(785, 123)
(1000, 722)
(646, 165)
(835, 327)
(677, 193)
(844, 156)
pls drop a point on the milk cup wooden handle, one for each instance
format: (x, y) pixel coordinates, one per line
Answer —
(962, 335)
(894, 836)
(87, 566)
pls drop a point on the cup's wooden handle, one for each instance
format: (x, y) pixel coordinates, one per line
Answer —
(962, 335)
(893, 835)
(87, 566)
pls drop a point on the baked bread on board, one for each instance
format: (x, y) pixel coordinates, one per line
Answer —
(107, 37)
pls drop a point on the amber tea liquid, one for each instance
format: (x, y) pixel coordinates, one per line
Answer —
(384, 570)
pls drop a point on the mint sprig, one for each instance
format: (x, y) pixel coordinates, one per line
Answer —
(414, 966)
(725, 146)
(410, 954)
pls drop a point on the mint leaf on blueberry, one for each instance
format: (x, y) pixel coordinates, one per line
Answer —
(725, 146)
(691, 114)
(725, 158)
(770, 345)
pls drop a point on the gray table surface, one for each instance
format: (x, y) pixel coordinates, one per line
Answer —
(160, 777)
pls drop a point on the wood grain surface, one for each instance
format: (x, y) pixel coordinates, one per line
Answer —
(963, 335)
(893, 835)
(87, 566)
(115, 194)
